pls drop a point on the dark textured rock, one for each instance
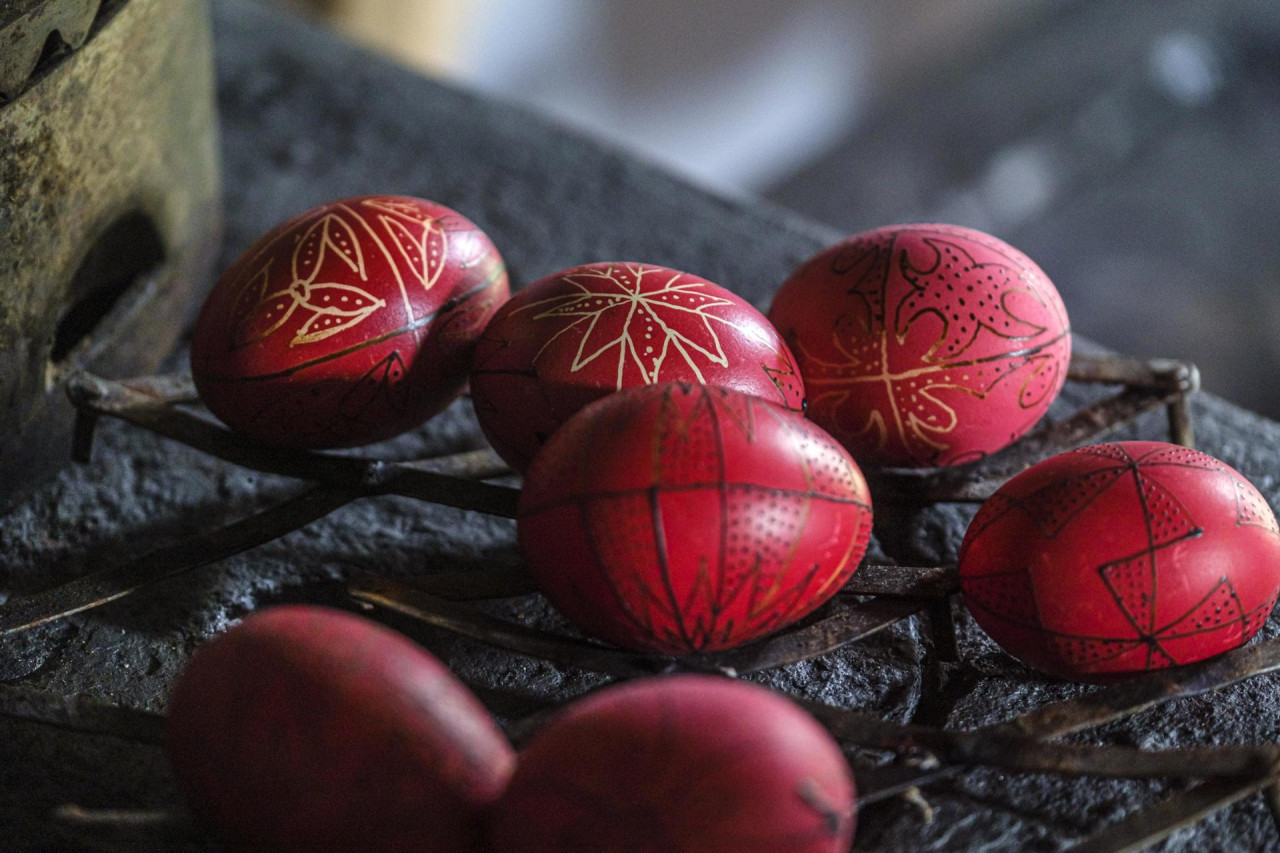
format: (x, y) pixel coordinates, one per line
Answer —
(305, 119)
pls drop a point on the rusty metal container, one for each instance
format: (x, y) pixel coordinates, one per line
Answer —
(109, 203)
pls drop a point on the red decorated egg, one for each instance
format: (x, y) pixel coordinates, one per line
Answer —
(307, 729)
(348, 324)
(1120, 558)
(680, 518)
(580, 334)
(682, 763)
(925, 345)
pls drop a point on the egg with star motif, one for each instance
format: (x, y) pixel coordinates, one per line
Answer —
(591, 330)
(348, 324)
(925, 345)
(1119, 558)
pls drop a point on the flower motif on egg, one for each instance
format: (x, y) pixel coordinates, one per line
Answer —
(579, 334)
(623, 311)
(348, 324)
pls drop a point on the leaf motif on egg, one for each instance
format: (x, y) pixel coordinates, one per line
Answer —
(332, 305)
(421, 241)
(347, 324)
(616, 308)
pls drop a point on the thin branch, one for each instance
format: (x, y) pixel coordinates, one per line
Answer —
(408, 600)
(1116, 702)
(849, 623)
(903, 581)
(1147, 826)
(115, 826)
(111, 584)
(410, 479)
(1164, 374)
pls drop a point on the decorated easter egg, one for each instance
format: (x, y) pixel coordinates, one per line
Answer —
(924, 345)
(304, 728)
(1120, 558)
(580, 334)
(348, 324)
(687, 762)
(680, 518)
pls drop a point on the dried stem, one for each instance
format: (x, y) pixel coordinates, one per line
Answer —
(102, 587)
(1163, 374)
(1124, 699)
(903, 581)
(1112, 703)
(128, 825)
(850, 622)
(410, 479)
(1147, 826)
(411, 601)
(991, 748)
(977, 482)
(1148, 385)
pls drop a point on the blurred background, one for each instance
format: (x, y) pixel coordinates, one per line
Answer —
(1131, 149)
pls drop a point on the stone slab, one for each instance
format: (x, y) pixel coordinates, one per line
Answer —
(307, 118)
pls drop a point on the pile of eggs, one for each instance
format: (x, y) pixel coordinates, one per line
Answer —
(304, 728)
(692, 482)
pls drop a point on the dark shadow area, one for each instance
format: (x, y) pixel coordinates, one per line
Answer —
(129, 248)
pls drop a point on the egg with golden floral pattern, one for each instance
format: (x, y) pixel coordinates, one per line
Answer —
(592, 330)
(348, 324)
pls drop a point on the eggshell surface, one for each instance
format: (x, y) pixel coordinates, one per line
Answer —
(584, 332)
(1121, 558)
(924, 345)
(678, 518)
(307, 729)
(348, 324)
(680, 764)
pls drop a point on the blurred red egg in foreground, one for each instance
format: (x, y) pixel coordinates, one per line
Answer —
(681, 763)
(308, 729)
(1121, 558)
(680, 518)
(585, 332)
(924, 345)
(348, 324)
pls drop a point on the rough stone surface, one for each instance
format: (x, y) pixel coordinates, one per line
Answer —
(306, 119)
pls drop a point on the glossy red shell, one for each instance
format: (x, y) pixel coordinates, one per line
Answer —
(924, 345)
(348, 324)
(681, 763)
(1120, 558)
(585, 332)
(678, 518)
(307, 729)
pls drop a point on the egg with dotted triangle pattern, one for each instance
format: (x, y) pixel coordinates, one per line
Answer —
(1121, 558)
